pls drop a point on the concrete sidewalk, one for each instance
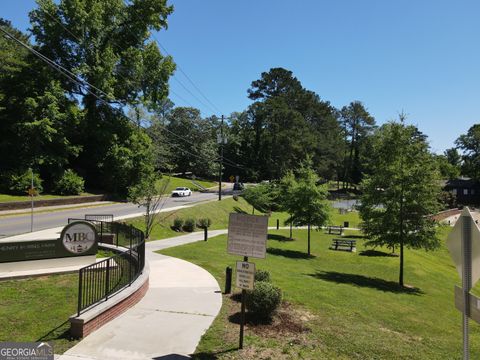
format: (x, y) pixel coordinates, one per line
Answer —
(180, 305)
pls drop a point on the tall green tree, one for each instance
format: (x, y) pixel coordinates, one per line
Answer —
(38, 122)
(357, 124)
(193, 139)
(447, 170)
(287, 123)
(107, 44)
(469, 144)
(305, 200)
(401, 192)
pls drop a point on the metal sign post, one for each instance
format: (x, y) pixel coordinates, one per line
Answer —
(246, 284)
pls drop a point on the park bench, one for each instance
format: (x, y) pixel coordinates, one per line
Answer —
(344, 244)
(336, 230)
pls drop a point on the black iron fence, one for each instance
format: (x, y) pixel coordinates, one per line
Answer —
(97, 282)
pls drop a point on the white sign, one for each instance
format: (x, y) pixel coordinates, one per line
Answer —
(245, 275)
(454, 244)
(78, 237)
(247, 235)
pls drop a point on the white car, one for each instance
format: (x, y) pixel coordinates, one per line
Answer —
(181, 191)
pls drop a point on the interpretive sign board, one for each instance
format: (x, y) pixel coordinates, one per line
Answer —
(247, 235)
(78, 238)
(245, 275)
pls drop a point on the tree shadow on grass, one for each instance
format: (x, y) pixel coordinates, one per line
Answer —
(354, 236)
(365, 281)
(239, 210)
(376, 253)
(279, 237)
(292, 254)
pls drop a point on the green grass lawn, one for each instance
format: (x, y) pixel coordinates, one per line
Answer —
(217, 211)
(181, 182)
(38, 309)
(12, 198)
(349, 304)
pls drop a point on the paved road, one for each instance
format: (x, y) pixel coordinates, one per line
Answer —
(19, 224)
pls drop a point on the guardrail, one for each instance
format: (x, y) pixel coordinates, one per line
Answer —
(97, 282)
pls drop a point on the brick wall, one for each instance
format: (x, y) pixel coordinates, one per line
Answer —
(80, 329)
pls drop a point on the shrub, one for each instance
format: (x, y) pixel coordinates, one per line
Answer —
(19, 183)
(262, 275)
(177, 224)
(204, 223)
(189, 225)
(69, 184)
(263, 300)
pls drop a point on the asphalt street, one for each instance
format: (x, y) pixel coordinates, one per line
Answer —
(19, 224)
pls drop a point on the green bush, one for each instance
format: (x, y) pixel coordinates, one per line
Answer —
(69, 184)
(177, 224)
(204, 223)
(19, 183)
(189, 225)
(263, 300)
(262, 275)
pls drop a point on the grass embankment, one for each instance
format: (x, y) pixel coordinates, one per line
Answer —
(340, 305)
(37, 309)
(13, 198)
(181, 182)
(218, 212)
(173, 183)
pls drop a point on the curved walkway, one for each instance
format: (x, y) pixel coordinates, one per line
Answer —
(180, 305)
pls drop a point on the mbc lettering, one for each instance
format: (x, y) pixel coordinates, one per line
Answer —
(79, 236)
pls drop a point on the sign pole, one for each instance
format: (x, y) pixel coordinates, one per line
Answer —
(242, 313)
(466, 279)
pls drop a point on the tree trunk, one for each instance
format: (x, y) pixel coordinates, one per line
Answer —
(308, 239)
(291, 225)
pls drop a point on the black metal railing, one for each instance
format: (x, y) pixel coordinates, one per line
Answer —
(98, 282)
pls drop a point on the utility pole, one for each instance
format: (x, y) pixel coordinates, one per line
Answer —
(31, 192)
(220, 163)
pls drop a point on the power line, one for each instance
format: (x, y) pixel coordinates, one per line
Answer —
(118, 48)
(82, 83)
(55, 66)
(210, 104)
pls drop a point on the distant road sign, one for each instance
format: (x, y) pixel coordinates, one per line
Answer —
(32, 192)
(232, 178)
(245, 275)
(454, 244)
(247, 235)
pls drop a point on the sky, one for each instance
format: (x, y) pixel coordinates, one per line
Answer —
(417, 57)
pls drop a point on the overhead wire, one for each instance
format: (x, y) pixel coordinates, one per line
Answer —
(82, 83)
(210, 104)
